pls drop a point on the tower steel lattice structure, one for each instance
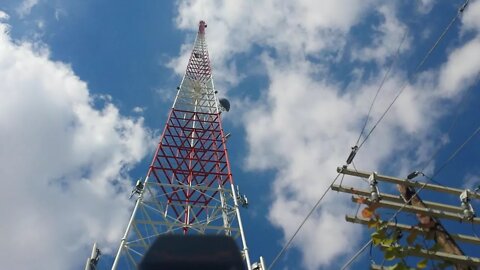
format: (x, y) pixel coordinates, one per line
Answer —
(189, 187)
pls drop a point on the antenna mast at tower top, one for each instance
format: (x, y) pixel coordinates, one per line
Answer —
(189, 187)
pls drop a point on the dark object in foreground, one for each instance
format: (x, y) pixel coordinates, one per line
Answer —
(182, 252)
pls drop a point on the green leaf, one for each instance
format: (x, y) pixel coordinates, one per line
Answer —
(382, 225)
(422, 264)
(377, 237)
(398, 266)
(388, 241)
(391, 253)
(373, 223)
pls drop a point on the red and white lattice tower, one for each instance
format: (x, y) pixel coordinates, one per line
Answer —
(189, 187)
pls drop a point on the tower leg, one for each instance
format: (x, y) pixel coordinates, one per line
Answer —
(124, 238)
(240, 225)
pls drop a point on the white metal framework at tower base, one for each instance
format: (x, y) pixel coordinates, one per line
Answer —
(189, 187)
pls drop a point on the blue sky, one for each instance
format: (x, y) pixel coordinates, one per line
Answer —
(87, 85)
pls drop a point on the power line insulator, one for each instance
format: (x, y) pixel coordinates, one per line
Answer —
(352, 154)
(374, 193)
(413, 175)
(468, 212)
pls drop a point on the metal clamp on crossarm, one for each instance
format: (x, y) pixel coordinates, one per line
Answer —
(259, 265)
(138, 188)
(374, 193)
(92, 261)
(242, 199)
(468, 212)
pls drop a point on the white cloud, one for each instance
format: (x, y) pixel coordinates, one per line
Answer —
(62, 162)
(425, 6)
(3, 16)
(59, 13)
(472, 182)
(462, 69)
(40, 24)
(139, 110)
(470, 18)
(386, 42)
(305, 121)
(25, 7)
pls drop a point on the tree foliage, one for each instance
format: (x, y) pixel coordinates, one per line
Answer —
(387, 238)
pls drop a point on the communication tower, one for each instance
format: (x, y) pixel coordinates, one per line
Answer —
(189, 187)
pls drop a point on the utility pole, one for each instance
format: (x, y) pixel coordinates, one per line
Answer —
(428, 215)
(442, 237)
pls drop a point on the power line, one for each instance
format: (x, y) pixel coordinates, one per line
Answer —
(440, 146)
(356, 255)
(461, 9)
(385, 76)
(452, 156)
(448, 133)
(422, 62)
(285, 247)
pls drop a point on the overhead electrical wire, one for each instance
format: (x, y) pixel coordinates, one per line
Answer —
(440, 146)
(415, 72)
(384, 79)
(285, 247)
(456, 152)
(360, 251)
